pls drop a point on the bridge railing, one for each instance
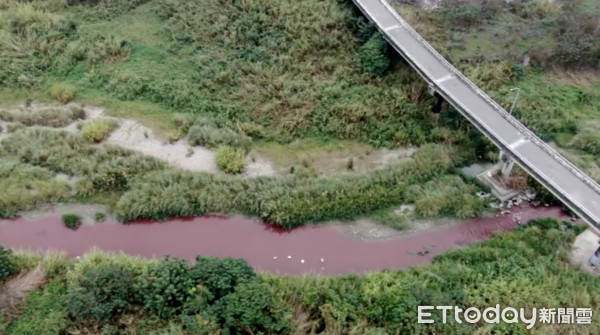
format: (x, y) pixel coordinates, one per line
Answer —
(520, 126)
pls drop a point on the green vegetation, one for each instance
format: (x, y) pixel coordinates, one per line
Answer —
(98, 130)
(7, 266)
(99, 216)
(24, 186)
(548, 49)
(139, 187)
(71, 221)
(287, 201)
(230, 160)
(63, 93)
(372, 56)
(528, 267)
(50, 117)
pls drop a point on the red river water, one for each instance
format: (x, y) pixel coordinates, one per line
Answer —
(313, 249)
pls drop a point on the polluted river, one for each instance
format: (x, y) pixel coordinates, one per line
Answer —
(311, 249)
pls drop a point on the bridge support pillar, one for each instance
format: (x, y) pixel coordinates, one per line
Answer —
(431, 90)
(595, 259)
(507, 163)
(437, 100)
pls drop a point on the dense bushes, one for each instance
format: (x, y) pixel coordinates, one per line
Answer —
(7, 266)
(106, 168)
(445, 196)
(206, 132)
(50, 117)
(71, 221)
(166, 288)
(210, 293)
(24, 186)
(221, 276)
(372, 57)
(100, 293)
(287, 201)
(588, 139)
(230, 160)
(254, 309)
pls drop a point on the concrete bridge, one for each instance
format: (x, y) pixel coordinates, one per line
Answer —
(569, 184)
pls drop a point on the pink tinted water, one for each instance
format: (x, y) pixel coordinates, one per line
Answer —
(323, 249)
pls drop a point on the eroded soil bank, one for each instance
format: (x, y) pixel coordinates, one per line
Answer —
(313, 249)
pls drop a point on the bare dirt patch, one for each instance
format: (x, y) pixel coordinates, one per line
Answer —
(13, 292)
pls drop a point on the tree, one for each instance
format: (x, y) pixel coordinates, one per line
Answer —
(372, 56)
(166, 288)
(100, 292)
(7, 266)
(221, 276)
(252, 308)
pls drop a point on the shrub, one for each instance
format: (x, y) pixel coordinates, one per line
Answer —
(588, 139)
(253, 307)
(211, 136)
(98, 130)
(230, 160)
(50, 117)
(71, 221)
(99, 217)
(24, 187)
(100, 293)
(63, 93)
(165, 289)
(221, 277)
(11, 128)
(7, 265)
(446, 196)
(372, 56)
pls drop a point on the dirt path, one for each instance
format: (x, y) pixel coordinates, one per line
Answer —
(13, 292)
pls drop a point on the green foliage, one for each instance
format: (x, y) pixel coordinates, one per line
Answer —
(50, 117)
(71, 221)
(166, 288)
(44, 312)
(24, 186)
(254, 308)
(99, 217)
(230, 160)
(211, 136)
(588, 139)
(106, 168)
(100, 293)
(63, 93)
(221, 276)
(7, 264)
(372, 56)
(446, 196)
(98, 130)
(287, 201)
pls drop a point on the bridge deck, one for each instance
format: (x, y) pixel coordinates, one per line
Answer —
(563, 179)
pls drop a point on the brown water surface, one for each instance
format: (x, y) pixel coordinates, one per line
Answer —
(317, 249)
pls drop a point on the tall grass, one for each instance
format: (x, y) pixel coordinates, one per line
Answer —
(25, 186)
(287, 201)
(107, 168)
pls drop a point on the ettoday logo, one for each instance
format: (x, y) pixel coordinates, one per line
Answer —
(495, 314)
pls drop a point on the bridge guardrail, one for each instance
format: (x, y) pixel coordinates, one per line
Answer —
(520, 126)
